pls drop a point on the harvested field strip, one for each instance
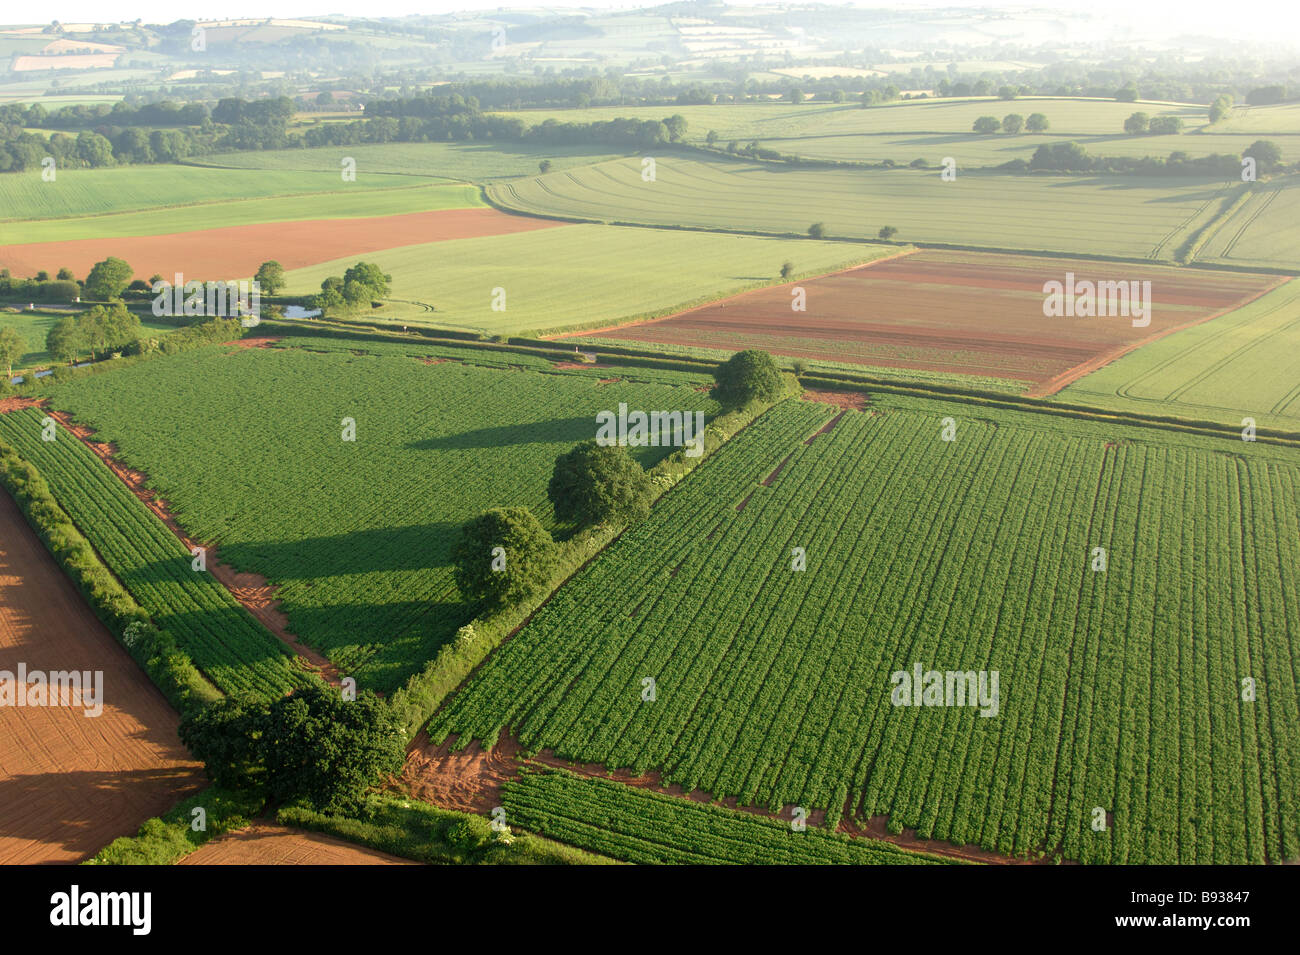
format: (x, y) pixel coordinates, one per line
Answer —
(650, 828)
(70, 783)
(972, 313)
(776, 686)
(268, 844)
(235, 252)
(223, 640)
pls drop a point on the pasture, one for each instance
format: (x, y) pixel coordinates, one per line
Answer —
(1244, 364)
(751, 639)
(1128, 216)
(578, 275)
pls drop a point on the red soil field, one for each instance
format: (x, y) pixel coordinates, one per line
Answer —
(70, 784)
(235, 252)
(265, 844)
(972, 313)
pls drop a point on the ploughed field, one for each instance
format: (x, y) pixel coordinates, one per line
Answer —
(235, 251)
(71, 783)
(972, 313)
(1154, 697)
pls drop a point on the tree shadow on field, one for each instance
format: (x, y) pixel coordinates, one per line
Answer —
(569, 430)
(80, 812)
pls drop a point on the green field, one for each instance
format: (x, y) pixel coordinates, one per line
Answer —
(648, 828)
(34, 326)
(232, 649)
(1119, 691)
(335, 205)
(355, 534)
(578, 275)
(470, 162)
(1128, 216)
(1264, 230)
(81, 192)
(1243, 364)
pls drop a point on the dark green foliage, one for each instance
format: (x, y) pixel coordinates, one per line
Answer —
(503, 556)
(593, 483)
(746, 376)
(108, 279)
(314, 746)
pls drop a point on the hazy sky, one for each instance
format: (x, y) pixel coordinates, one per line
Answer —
(1276, 20)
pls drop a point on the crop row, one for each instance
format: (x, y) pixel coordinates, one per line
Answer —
(221, 637)
(1120, 732)
(640, 826)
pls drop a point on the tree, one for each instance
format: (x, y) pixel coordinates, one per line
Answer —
(1266, 96)
(63, 340)
(65, 275)
(108, 279)
(887, 232)
(787, 270)
(270, 277)
(592, 483)
(1007, 92)
(1036, 123)
(711, 137)
(371, 276)
(1165, 125)
(107, 326)
(12, 348)
(1220, 108)
(1136, 123)
(314, 746)
(1265, 152)
(544, 166)
(796, 95)
(1012, 123)
(746, 376)
(1127, 94)
(817, 230)
(503, 556)
(986, 125)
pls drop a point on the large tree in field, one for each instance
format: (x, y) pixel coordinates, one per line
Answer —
(986, 125)
(270, 277)
(592, 483)
(1265, 153)
(371, 276)
(12, 348)
(1012, 123)
(108, 279)
(314, 746)
(746, 376)
(105, 327)
(63, 340)
(1136, 123)
(1037, 123)
(503, 556)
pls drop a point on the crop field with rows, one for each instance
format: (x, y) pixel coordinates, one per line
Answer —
(355, 534)
(695, 646)
(235, 651)
(636, 825)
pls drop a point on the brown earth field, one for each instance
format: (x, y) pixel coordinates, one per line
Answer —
(70, 783)
(972, 313)
(267, 844)
(235, 252)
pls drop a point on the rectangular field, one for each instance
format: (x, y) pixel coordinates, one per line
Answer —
(773, 599)
(1128, 216)
(1264, 230)
(967, 313)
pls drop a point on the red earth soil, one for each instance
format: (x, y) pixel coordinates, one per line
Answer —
(840, 399)
(234, 252)
(251, 590)
(971, 313)
(70, 784)
(265, 843)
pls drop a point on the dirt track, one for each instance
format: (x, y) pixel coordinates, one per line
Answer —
(70, 784)
(266, 844)
(234, 252)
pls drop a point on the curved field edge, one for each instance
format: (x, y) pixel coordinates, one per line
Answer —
(579, 690)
